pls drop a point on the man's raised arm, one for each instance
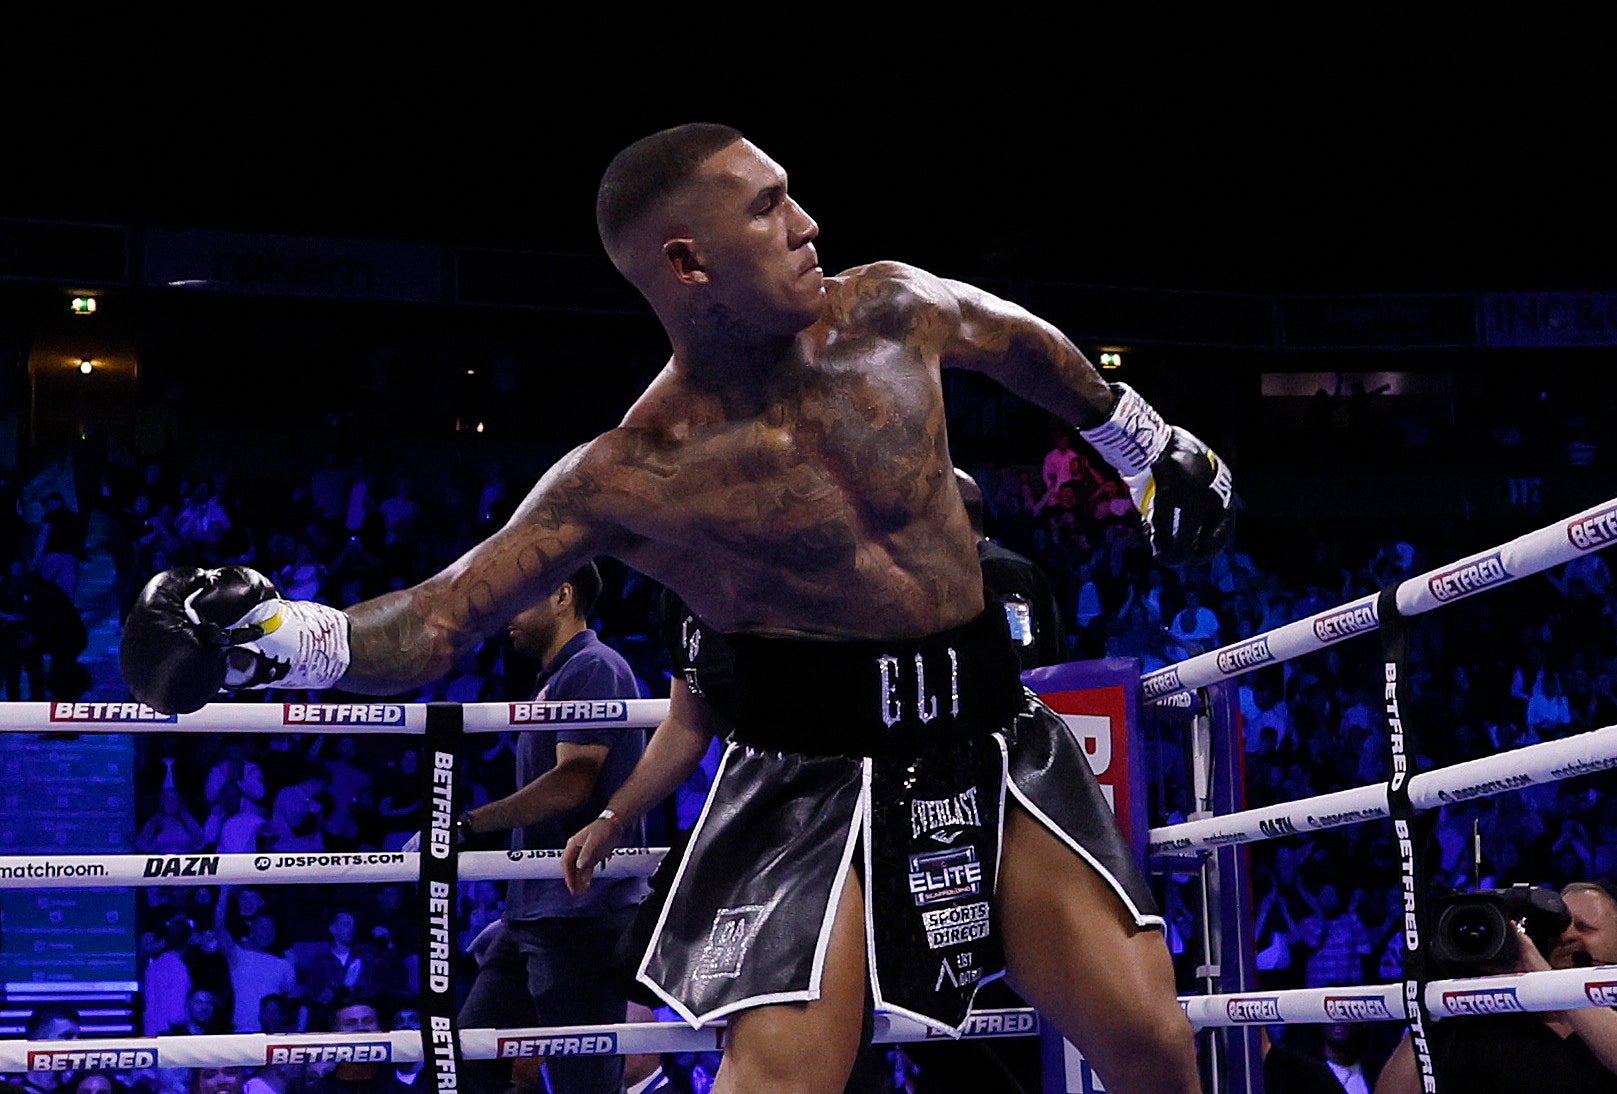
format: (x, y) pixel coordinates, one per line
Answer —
(193, 631)
(1181, 488)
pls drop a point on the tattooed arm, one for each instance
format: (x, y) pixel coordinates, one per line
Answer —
(404, 639)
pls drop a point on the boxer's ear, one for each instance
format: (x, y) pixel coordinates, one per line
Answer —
(684, 261)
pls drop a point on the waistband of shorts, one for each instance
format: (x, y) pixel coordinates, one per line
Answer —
(870, 697)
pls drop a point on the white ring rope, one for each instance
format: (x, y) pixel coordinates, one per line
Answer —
(299, 868)
(405, 1046)
(348, 718)
(1530, 765)
(1550, 546)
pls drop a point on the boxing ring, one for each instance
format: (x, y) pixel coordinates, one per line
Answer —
(1205, 845)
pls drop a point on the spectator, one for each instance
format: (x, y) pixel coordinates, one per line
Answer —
(171, 830)
(341, 966)
(50, 1023)
(59, 548)
(167, 983)
(357, 1014)
(257, 968)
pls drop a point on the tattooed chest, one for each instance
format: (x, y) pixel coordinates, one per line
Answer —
(814, 488)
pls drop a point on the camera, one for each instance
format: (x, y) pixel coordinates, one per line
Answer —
(1472, 933)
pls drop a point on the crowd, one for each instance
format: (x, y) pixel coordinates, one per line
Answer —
(1531, 662)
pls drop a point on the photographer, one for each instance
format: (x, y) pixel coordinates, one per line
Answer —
(1569, 1052)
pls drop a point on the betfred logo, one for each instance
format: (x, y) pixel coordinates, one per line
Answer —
(1593, 531)
(181, 866)
(93, 1060)
(1356, 1008)
(1162, 682)
(994, 1023)
(1248, 655)
(1471, 577)
(1253, 1010)
(578, 710)
(590, 1044)
(1335, 626)
(1602, 993)
(342, 714)
(352, 1052)
(1486, 1001)
(108, 712)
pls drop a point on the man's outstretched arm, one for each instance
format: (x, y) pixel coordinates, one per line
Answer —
(193, 632)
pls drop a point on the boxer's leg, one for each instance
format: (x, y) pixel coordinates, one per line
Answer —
(806, 1048)
(1073, 952)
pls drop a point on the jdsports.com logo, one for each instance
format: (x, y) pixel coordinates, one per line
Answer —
(262, 862)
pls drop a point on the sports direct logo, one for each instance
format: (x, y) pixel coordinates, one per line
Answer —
(1594, 530)
(107, 712)
(580, 710)
(1253, 1010)
(590, 1044)
(1471, 577)
(93, 1060)
(1356, 1008)
(353, 1052)
(1489, 1001)
(342, 714)
(1247, 655)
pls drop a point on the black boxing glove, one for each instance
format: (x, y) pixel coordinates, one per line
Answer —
(1180, 486)
(194, 632)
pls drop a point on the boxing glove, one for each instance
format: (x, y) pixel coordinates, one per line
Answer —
(195, 632)
(1180, 486)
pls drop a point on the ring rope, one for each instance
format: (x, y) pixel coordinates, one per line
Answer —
(296, 868)
(1546, 762)
(1528, 554)
(405, 1046)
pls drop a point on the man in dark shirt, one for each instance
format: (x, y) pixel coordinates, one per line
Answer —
(550, 946)
(1016, 582)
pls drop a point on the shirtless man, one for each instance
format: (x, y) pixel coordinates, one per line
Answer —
(789, 476)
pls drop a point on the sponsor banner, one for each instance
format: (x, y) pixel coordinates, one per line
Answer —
(88, 1059)
(588, 1044)
(1246, 1010)
(1530, 319)
(1471, 576)
(1594, 530)
(181, 866)
(1333, 626)
(1602, 993)
(937, 876)
(994, 1023)
(342, 714)
(349, 1052)
(1482, 1001)
(108, 712)
(568, 712)
(1357, 1008)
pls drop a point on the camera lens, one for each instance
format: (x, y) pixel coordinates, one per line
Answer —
(1472, 931)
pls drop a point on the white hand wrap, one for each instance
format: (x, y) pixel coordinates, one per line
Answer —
(310, 639)
(1133, 434)
(1130, 439)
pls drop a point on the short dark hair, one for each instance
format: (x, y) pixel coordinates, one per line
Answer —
(652, 168)
(587, 584)
(45, 1015)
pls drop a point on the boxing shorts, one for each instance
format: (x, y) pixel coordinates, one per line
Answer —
(894, 758)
